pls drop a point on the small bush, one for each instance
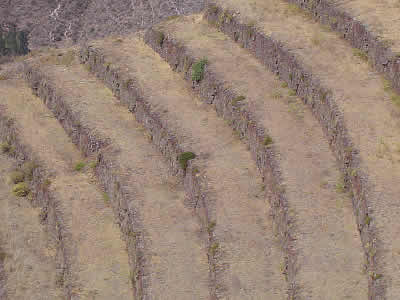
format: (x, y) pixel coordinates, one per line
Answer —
(3, 77)
(198, 70)
(268, 141)
(292, 92)
(184, 158)
(17, 177)
(284, 85)
(79, 166)
(21, 189)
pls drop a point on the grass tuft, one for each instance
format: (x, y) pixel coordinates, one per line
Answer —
(184, 158)
(198, 70)
(79, 166)
(21, 189)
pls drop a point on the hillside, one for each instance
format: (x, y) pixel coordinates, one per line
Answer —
(250, 150)
(49, 22)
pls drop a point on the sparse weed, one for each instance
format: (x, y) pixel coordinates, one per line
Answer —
(367, 220)
(237, 100)
(17, 177)
(292, 93)
(360, 54)
(21, 189)
(276, 94)
(198, 70)
(340, 185)
(28, 169)
(93, 164)
(3, 77)
(46, 183)
(118, 40)
(211, 227)
(79, 166)
(184, 158)
(284, 85)
(213, 9)
(173, 17)
(160, 38)
(214, 248)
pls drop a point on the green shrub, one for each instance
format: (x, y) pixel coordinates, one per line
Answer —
(79, 166)
(17, 177)
(184, 158)
(21, 189)
(198, 70)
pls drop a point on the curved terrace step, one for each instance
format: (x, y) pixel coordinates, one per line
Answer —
(357, 112)
(372, 26)
(166, 244)
(95, 259)
(329, 258)
(247, 261)
(29, 253)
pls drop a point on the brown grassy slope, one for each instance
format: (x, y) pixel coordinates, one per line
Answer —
(243, 230)
(29, 253)
(370, 116)
(171, 263)
(371, 26)
(309, 170)
(88, 221)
